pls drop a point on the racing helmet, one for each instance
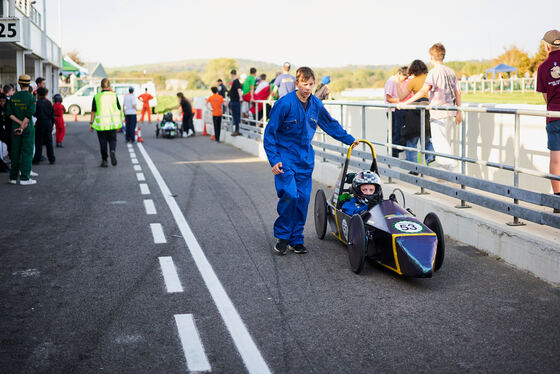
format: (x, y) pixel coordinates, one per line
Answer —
(168, 117)
(367, 177)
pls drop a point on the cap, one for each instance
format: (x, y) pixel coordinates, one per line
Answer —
(24, 79)
(552, 37)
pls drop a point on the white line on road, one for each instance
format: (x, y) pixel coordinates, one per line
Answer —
(144, 189)
(150, 207)
(157, 233)
(252, 357)
(134, 160)
(172, 282)
(137, 168)
(192, 345)
(132, 154)
(131, 150)
(140, 177)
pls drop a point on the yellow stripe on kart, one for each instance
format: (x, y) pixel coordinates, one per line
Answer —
(398, 269)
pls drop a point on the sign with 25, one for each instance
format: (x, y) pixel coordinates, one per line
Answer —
(10, 30)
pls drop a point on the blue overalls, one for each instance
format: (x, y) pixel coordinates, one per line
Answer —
(287, 139)
(352, 207)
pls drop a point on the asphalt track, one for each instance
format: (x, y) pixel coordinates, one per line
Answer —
(83, 290)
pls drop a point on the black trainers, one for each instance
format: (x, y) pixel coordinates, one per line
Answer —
(298, 248)
(281, 246)
(556, 211)
(104, 164)
(113, 158)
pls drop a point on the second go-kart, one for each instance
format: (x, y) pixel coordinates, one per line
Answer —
(385, 233)
(168, 128)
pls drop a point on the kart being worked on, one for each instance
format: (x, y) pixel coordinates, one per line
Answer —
(168, 128)
(385, 233)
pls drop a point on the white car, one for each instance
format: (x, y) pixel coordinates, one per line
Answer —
(80, 102)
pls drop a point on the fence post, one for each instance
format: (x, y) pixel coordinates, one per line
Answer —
(517, 141)
(422, 146)
(342, 120)
(389, 139)
(463, 204)
(363, 129)
(522, 85)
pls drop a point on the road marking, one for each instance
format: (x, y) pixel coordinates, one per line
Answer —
(129, 145)
(132, 154)
(144, 189)
(157, 233)
(140, 177)
(172, 282)
(250, 354)
(150, 207)
(137, 168)
(134, 160)
(131, 150)
(192, 345)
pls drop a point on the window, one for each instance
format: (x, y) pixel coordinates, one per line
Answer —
(121, 90)
(87, 91)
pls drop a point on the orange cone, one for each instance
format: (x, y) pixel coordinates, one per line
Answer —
(204, 132)
(76, 117)
(139, 135)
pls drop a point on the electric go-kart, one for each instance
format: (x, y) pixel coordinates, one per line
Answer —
(385, 233)
(168, 128)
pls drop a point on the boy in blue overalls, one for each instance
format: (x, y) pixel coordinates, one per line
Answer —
(287, 142)
(366, 188)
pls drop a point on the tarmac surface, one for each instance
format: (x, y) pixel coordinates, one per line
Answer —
(82, 288)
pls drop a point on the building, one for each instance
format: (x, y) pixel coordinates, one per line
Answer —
(26, 43)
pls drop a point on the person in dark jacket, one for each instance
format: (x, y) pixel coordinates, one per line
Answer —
(44, 127)
(186, 108)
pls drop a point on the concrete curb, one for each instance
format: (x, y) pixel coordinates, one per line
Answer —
(531, 248)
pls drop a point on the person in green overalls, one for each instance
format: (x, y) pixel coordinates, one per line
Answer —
(21, 108)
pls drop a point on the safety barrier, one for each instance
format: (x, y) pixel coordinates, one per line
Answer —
(499, 197)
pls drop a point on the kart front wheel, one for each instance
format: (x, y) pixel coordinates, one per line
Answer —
(357, 244)
(320, 213)
(434, 224)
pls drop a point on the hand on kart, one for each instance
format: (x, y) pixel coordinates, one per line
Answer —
(355, 144)
(277, 169)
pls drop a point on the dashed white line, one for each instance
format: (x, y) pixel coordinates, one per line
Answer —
(137, 168)
(144, 189)
(140, 177)
(134, 160)
(192, 345)
(132, 154)
(248, 350)
(157, 233)
(172, 282)
(150, 207)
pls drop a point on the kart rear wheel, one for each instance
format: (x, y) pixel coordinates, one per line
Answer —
(357, 244)
(320, 214)
(434, 224)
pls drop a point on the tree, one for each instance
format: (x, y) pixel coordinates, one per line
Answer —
(218, 68)
(515, 57)
(75, 56)
(538, 58)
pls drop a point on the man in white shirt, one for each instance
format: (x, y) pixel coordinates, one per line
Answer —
(129, 106)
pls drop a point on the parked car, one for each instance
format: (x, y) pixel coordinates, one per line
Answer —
(80, 102)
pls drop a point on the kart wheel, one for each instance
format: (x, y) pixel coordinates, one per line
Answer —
(320, 213)
(74, 109)
(357, 244)
(434, 224)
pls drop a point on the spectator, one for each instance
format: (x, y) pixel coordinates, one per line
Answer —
(44, 113)
(261, 93)
(59, 110)
(235, 94)
(40, 82)
(548, 83)
(129, 108)
(322, 92)
(222, 90)
(249, 89)
(285, 82)
(186, 108)
(216, 102)
(8, 90)
(392, 97)
(5, 130)
(441, 83)
(20, 110)
(145, 98)
(410, 132)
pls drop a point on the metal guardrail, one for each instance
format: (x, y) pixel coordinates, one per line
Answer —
(254, 129)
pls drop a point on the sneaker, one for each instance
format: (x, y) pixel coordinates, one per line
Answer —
(33, 174)
(235, 133)
(113, 158)
(556, 211)
(12, 181)
(104, 164)
(281, 246)
(27, 182)
(298, 248)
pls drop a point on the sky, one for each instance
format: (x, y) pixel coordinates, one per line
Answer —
(318, 33)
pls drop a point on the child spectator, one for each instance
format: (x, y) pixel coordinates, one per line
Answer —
(367, 192)
(216, 101)
(44, 126)
(59, 110)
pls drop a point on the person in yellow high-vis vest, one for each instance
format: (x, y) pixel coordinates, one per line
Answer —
(106, 119)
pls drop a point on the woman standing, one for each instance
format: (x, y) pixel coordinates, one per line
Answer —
(186, 107)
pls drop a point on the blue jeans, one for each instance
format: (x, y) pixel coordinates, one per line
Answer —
(412, 156)
(236, 113)
(130, 126)
(396, 124)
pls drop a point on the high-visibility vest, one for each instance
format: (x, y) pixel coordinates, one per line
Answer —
(108, 116)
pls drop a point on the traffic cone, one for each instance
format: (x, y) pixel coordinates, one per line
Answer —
(139, 135)
(204, 132)
(75, 117)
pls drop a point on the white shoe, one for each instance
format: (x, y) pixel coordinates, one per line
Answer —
(33, 174)
(12, 181)
(27, 182)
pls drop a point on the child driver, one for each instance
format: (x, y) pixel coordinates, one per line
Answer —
(366, 188)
